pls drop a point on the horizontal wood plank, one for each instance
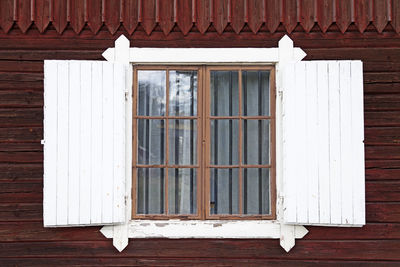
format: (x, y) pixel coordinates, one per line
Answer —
(210, 261)
(256, 249)
(21, 172)
(21, 98)
(21, 117)
(21, 134)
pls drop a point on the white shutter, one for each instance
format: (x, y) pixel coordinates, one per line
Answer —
(323, 149)
(84, 143)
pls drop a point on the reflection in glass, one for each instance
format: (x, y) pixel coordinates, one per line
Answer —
(256, 191)
(224, 191)
(255, 93)
(224, 142)
(151, 93)
(256, 148)
(182, 191)
(182, 142)
(151, 144)
(182, 93)
(150, 191)
(224, 93)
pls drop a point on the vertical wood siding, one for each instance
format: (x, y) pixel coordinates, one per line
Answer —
(84, 150)
(323, 143)
(185, 14)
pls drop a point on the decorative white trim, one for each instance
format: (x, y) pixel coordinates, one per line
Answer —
(204, 229)
(204, 55)
(280, 56)
(121, 54)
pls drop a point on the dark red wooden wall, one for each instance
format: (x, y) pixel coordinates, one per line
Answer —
(32, 31)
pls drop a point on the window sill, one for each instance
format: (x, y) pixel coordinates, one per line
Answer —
(175, 229)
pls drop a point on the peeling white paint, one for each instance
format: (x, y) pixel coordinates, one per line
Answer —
(205, 229)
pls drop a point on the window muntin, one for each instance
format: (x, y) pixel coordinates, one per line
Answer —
(240, 167)
(207, 175)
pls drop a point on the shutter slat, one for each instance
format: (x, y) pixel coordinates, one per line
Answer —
(300, 134)
(119, 143)
(50, 148)
(85, 135)
(312, 144)
(108, 143)
(62, 143)
(334, 142)
(289, 159)
(84, 131)
(345, 144)
(323, 143)
(74, 143)
(323, 151)
(97, 145)
(357, 140)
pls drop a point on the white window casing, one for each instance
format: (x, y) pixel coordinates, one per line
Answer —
(319, 150)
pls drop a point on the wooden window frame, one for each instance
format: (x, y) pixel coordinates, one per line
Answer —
(203, 165)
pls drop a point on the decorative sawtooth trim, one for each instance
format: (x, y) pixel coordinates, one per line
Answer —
(186, 14)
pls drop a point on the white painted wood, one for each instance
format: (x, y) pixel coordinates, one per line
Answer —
(96, 143)
(287, 237)
(345, 143)
(85, 171)
(289, 140)
(84, 159)
(312, 157)
(50, 146)
(74, 129)
(299, 134)
(205, 229)
(334, 142)
(119, 143)
(121, 51)
(120, 232)
(108, 54)
(357, 141)
(203, 55)
(323, 143)
(108, 143)
(62, 143)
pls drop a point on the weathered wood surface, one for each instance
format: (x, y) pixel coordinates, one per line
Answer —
(42, 15)
(23, 240)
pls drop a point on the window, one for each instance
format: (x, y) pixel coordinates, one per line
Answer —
(203, 142)
(200, 126)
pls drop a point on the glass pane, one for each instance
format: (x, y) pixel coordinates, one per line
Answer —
(183, 93)
(224, 93)
(182, 142)
(224, 191)
(151, 98)
(255, 95)
(150, 191)
(151, 144)
(182, 191)
(256, 191)
(256, 142)
(224, 142)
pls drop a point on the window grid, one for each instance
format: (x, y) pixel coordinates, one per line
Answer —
(204, 165)
(241, 166)
(166, 166)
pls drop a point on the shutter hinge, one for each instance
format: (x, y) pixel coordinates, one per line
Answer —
(126, 96)
(42, 141)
